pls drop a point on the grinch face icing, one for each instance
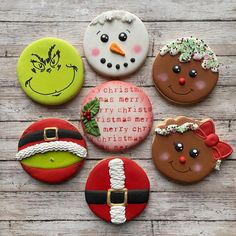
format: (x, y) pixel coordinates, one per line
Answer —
(185, 71)
(116, 43)
(187, 150)
(50, 71)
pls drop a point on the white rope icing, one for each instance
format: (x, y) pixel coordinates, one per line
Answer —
(218, 164)
(171, 129)
(74, 148)
(117, 181)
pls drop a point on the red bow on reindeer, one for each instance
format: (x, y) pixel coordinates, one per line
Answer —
(221, 149)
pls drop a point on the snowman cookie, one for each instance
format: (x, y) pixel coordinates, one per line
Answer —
(116, 43)
(51, 150)
(117, 190)
(185, 71)
(50, 71)
(187, 150)
(116, 115)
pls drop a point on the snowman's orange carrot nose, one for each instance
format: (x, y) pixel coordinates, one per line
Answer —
(115, 48)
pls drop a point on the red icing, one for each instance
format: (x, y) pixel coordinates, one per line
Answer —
(53, 176)
(182, 81)
(182, 159)
(207, 131)
(99, 179)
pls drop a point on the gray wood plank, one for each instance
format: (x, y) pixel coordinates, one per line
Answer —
(14, 178)
(193, 228)
(15, 36)
(162, 206)
(143, 77)
(168, 10)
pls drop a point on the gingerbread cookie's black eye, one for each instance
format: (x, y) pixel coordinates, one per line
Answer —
(122, 36)
(104, 38)
(176, 69)
(192, 73)
(179, 147)
(194, 152)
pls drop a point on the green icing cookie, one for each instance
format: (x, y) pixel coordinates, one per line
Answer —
(50, 71)
(51, 160)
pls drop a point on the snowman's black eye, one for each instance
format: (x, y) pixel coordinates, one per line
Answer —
(104, 38)
(194, 152)
(176, 69)
(179, 147)
(192, 73)
(122, 36)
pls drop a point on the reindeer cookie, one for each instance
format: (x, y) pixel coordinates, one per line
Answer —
(187, 150)
(185, 71)
(116, 43)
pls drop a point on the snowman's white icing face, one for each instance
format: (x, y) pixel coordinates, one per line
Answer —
(116, 48)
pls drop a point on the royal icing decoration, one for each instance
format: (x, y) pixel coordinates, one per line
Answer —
(50, 71)
(122, 116)
(171, 129)
(117, 190)
(89, 112)
(116, 43)
(188, 150)
(192, 48)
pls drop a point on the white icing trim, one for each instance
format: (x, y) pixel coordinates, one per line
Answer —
(171, 129)
(74, 148)
(108, 16)
(117, 181)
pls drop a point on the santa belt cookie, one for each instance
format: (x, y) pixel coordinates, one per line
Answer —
(50, 141)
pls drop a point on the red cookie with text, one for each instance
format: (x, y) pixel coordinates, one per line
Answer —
(185, 71)
(187, 150)
(116, 115)
(117, 190)
(51, 150)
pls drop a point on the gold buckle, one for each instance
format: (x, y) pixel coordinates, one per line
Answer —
(124, 191)
(50, 138)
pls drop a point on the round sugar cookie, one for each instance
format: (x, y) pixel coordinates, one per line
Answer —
(185, 71)
(51, 150)
(187, 150)
(117, 190)
(116, 43)
(50, 71)
(116, 115)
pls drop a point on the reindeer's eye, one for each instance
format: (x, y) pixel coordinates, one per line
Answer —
(176, 69)
(192, 73)
(54, 60)
(179, 146)
(194, 152)
(38, 65)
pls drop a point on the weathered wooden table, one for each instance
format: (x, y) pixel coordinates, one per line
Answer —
(28, 207)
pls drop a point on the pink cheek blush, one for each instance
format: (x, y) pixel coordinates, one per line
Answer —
(164, 156)
(200, 84)
(95, 52)
(137, 49)
(196, 167)
(162, 77)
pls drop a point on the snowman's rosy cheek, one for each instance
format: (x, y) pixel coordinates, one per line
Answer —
(162, 77)
(95, 52)
(137, 48)
(197, 167)
(200, 84)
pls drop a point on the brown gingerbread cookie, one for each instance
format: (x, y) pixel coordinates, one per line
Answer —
(185, 71)
(187, 150)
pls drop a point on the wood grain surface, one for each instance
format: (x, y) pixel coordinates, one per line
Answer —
(28, 207)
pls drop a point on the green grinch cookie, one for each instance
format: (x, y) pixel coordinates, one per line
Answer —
(50, 71)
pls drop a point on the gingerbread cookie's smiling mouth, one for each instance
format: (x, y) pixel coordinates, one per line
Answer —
(181, 171)
(170, 87)
(56, 92)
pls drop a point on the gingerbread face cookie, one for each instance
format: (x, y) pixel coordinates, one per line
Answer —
(187, 150)
(116, 115)
(185, 71)
(116, 43)
(50, 71)
(117, 190)
(51, 150)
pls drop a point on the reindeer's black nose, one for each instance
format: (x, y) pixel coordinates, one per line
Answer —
(49, 70)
